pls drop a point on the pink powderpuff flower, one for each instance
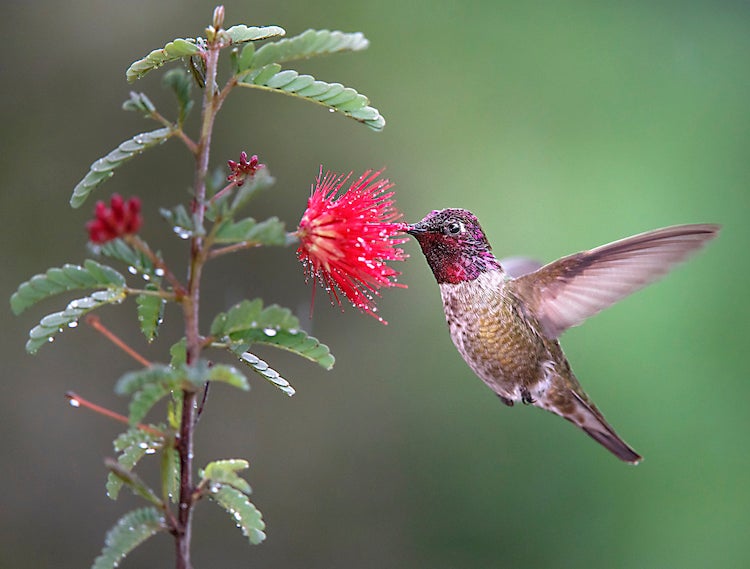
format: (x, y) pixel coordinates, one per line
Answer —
(347, 238)
(120, 218)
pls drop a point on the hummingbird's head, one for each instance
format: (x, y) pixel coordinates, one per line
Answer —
(454, 244)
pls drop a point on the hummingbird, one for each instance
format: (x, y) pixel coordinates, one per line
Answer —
(506, 324)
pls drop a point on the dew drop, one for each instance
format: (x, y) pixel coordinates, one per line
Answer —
(143, 445)
(51, 339)
(146, 277)
(331, 110)
(132, 270)
(74, 402)
(150, 450)
(159, 272)
(181, 232)
(73, 324)
(269, 332)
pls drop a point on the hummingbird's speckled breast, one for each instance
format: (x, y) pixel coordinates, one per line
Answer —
(493, 334)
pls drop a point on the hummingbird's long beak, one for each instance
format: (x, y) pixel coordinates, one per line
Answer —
(415, 229)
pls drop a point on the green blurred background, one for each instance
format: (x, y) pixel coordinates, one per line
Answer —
(563, 126)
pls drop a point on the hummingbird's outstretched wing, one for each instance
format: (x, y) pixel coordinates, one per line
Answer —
(518, 266)
(567, 291)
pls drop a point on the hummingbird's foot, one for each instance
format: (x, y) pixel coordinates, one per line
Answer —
(526, 397)
(508, 402)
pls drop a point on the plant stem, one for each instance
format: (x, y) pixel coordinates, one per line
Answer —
(191, 306)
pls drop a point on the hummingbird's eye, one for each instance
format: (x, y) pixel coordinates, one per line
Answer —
(453, 228)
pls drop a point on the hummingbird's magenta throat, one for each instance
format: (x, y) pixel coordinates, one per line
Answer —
(457, 266)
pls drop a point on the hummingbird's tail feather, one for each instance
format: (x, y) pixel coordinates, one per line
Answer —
(592, 422)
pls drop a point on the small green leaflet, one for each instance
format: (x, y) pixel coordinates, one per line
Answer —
(150, 312)
(180, 221)
(180, 82)
(102, 169)
(249, 323)
(332, 95)
(170, 473)
(58, 280)
(269, 232)
(227, 374)
(51, 324)
(130, 531)
(263, 369)
(133, 445)
(225, 472)
(132, 481)
(310, 43)
(180, 48)
(244, 513)
(139, 102)
(147, 387)
(242, 33)
(173, 50)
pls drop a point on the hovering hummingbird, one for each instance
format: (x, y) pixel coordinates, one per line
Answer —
(506, 326)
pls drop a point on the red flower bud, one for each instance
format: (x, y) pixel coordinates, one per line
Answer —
(243, 168)
(120, 218)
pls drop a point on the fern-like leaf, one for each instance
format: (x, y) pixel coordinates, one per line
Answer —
(130, 531)
(54, 323)
(180, 221)
(225, 472)
(249, 323)
(132, 481)
(332, 95)
(148, 386)
(263, 369)
(146, 398)
(137, 262)
(242, 33)
(243, 512)
(178, 352)
(179, 81)
(139, 102)
(170, 473)
(134, 381)
(59, 280)
(173, 50)
(150, 312)
(227, 374)
(310, 43)
(133, 445)
(269, 232)
(103, 169)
